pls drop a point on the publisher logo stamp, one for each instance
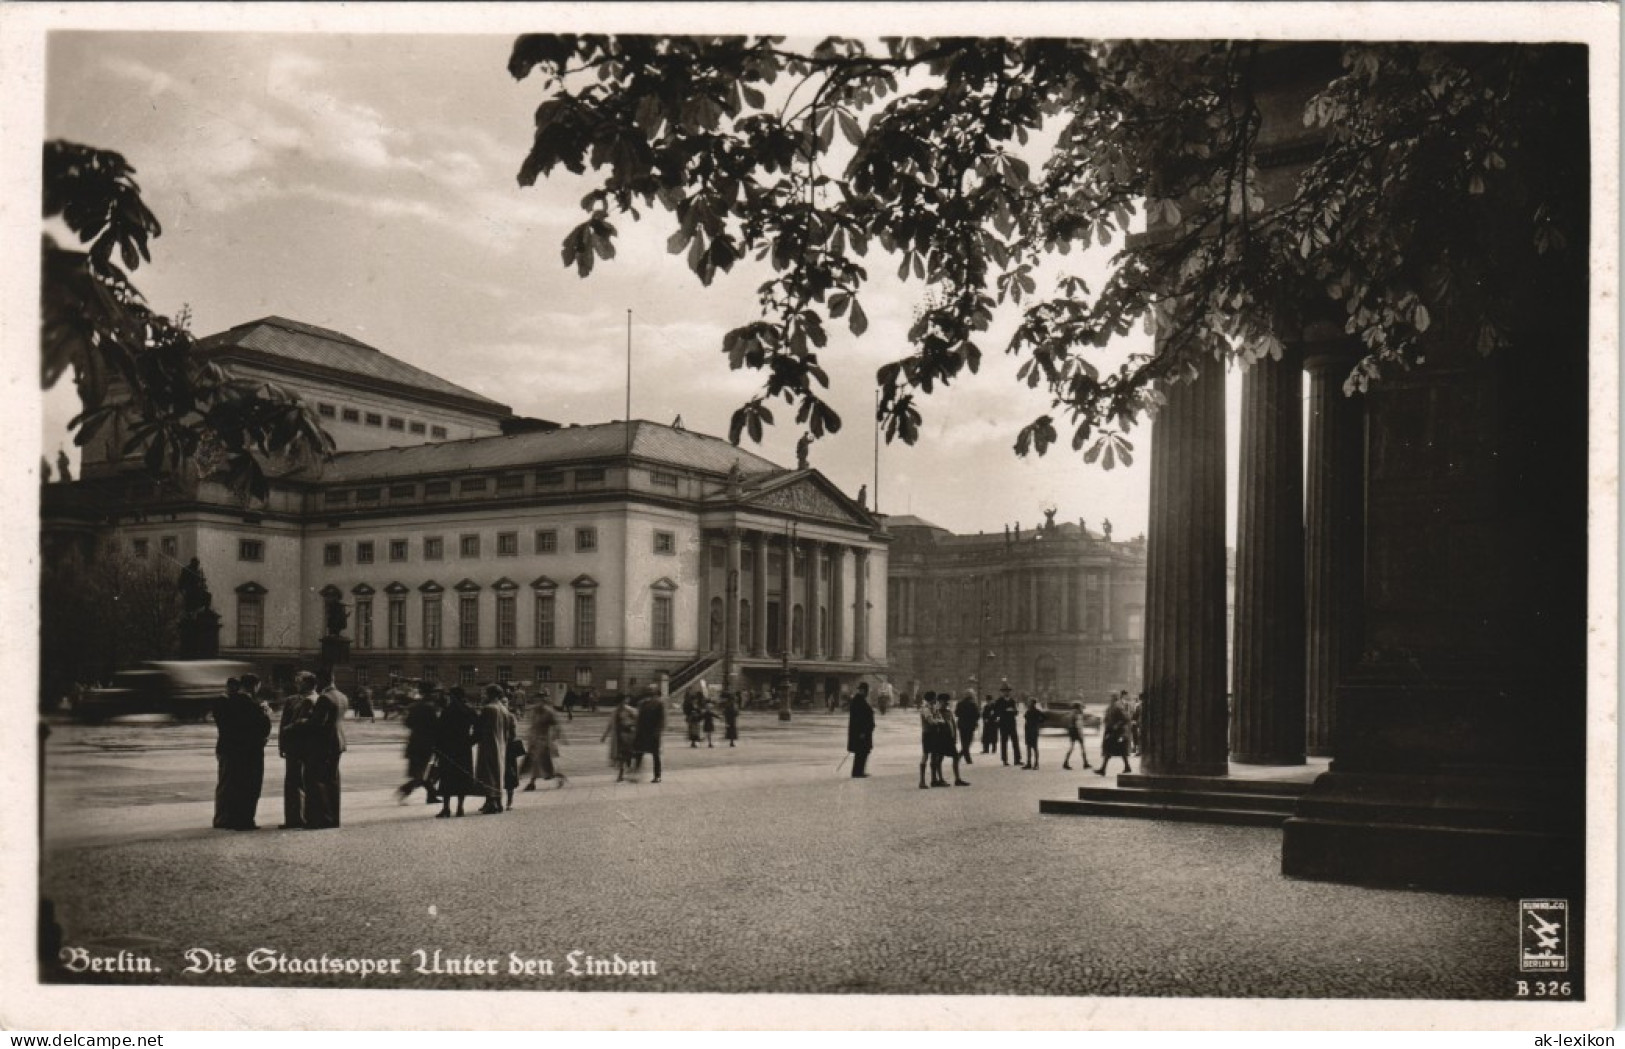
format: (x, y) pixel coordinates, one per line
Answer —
(1543, 935)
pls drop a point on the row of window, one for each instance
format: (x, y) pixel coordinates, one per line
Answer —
(393, 422)
(544, 541)
(468, 674)
(545, 635)
(502, 484)
(168, 545)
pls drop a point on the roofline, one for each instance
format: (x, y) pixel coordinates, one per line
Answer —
(277, 362)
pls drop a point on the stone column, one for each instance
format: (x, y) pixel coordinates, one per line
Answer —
(1184, 718)
(837, 601)
(1064, 581)
(704, 634)
(1334, 567)
(758, 597)
(809, 619)
(1106, 601)
(1034, 606)
(730, 609)
(1269, 641)
(860, 605)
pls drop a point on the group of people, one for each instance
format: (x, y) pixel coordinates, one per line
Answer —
(309, 739)
(701, 717)
(455, 751)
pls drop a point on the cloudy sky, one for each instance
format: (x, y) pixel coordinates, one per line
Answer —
(366, 183)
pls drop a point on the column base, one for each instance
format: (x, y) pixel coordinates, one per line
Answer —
(1271, 759)
(1205, 768)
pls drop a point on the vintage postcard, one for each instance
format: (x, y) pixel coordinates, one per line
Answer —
(736, 443)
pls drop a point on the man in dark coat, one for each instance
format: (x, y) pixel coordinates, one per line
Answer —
(860, 731)
(244, 724)
(1007, 726)
(651, 723)
(453, 750)
(326, 746)
(967, 715)
(420, 720)
(293, 744)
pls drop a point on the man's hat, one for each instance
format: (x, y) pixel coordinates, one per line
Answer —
(1004, 684)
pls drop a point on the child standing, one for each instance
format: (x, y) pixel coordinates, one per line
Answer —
(1032, 720)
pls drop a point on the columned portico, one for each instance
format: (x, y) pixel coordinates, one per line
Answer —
(758, 600)
(1184, 715)
(860, 604)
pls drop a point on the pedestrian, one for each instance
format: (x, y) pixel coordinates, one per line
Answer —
(730, 718)
(293, 745)
(860, 731)
(243, 722)
(966, 714)
(1114, 733)
(691, 717)
(990, 725)
(885, 695)
(493, 729)
(1074, 737)
(363, 704)
(708, 721)
(326, 746)
(621, 733)
(543, 747)
(453, 750)
(1033, 721)
(420, 720)
(947, 746)
(571, 701)
(1135, 705)
(650, 724)
(1008, 740)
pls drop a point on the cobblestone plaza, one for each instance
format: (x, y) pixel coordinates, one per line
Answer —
(764, 868)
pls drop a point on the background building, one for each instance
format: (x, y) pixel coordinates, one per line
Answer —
(1058, 608)
(468, 545)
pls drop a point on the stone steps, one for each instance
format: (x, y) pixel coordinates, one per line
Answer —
(1172, 813)
(1189, 799)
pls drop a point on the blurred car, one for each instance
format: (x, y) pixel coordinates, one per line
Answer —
(182, 689)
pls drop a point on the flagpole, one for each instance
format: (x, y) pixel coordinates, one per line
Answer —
(877, 451)
(629, 380)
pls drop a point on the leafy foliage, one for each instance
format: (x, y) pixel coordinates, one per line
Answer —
(1439, 178)
(103, 612)
(180, 412)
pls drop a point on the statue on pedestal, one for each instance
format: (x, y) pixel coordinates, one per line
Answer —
(200, 623)
(337, 616)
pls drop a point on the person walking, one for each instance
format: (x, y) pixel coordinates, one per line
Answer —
(293, 744)
(243, 723)
(420, 719)
(323, 785)
(1008, 740)
(650, 724)
(453, 751)
(1115, 734)
(708, 721)
(990, 725)
(966, 714)
(544, 743)
(1074, 737)
(730, 718)
(621, 733)
(1032, 721)
(493, 729)
(691, 717)
(860, 731)
(947, 746)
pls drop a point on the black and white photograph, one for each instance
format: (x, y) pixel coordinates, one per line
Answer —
(731, 442)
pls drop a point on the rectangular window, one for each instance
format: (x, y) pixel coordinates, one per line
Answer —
(468, 621)
(504, 675)
(363, 622)
(661, 479)
(363, 553)
(434, 548)
(586, 540)
(397, 549)
(403, 491)
(431, 674)
(417, 428)
(583, 674)
(507, 621)
(397, 424)
(465, 674)
(169, 546)
(250, 550)
(326, 411)
(395, 672)
(397, 622)
(800, 565)
(336, 498)
(437, 489)
(437, 431)
(586, 620)
(547, 540)
(507, 544)
(367, 495)
(592, 476)
(665, 542)
(333, 554)
(543, 674)
(511, 483)
(468, 546)
(139, 548)
(363, 676)
(549, 479)
(251, 621)
(375, 419)
(546, 611)
(661, 621)
(352, 415)
(471, 484)
(431, 621)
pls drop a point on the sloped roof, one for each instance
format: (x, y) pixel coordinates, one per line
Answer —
(650, 441)
(896, 521)
(301, 346)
